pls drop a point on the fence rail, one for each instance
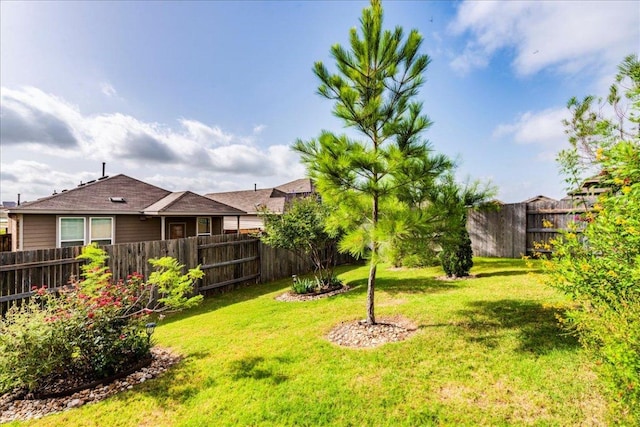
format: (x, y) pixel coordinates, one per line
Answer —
(226, 260)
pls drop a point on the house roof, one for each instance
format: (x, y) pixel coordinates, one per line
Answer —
(250, 200)
(274, 199)
(540, 198)
(122, 194)
(188, 203)
(303, 185)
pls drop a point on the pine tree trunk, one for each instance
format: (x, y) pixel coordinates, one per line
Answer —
(371, 318)
(371, 285)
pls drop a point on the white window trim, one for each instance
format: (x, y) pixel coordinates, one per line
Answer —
(113, 226)
(59, 230)
(86, 227)
(210, 226)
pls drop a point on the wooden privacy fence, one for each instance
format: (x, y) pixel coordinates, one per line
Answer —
(225, 259)
(517, 229)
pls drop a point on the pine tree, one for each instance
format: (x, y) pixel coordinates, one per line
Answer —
(366, 180)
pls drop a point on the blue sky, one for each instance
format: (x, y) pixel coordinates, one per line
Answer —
(209, 96)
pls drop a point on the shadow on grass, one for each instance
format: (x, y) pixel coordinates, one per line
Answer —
(257, 368)
(399, 286)
(507, 273)
(535, 325)
(171, 388)
(240, 294)
(176, 385)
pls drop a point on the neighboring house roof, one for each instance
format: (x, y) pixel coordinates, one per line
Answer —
(540, 198)
(298, 186)
(251, 200)
(274, 199)
(122, 194)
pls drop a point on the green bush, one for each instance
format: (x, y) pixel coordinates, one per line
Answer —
(600, 269)
(68, 335)
(331, 282)
(457, 256)
(31, 346)
(304, 285)
(412, 252)
(90, 329)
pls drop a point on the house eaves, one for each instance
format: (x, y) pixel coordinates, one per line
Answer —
(72, 212)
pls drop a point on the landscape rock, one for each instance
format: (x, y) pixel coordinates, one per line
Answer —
(359, 334)
(17, 406)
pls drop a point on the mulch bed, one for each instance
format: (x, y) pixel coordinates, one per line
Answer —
(18, 406)
(290, 296)
(360, 334)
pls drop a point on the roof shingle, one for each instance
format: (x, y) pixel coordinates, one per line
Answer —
(105, 196)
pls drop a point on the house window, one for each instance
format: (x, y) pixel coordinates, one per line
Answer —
(72, 232)
(77, 231)
(204, 226)
(101, 231)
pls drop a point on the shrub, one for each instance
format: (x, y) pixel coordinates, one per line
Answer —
(331, 282)
(457, 256)
(304, 285)
(597, 263)
(301, 229)
(90, 329)
(413, 252)
(600, 269)
(31, 346)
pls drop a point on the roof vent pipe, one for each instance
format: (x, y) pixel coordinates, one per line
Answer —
(103, 168)
(255, 187)
(18, 199)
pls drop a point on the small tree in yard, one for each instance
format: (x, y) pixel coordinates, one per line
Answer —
(301, 230)
(597, 263)
(454, 200)
(363, 181)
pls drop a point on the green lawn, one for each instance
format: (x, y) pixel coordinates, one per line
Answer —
(488, 352)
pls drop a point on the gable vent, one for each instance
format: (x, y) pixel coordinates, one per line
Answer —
(117, 199)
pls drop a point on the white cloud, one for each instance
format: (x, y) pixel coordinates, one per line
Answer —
(543, 128)
(204, 134)
(32, 179)
(34, 119)
(258, 129)
(565, 36)
(108, 90)
(201, 156)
